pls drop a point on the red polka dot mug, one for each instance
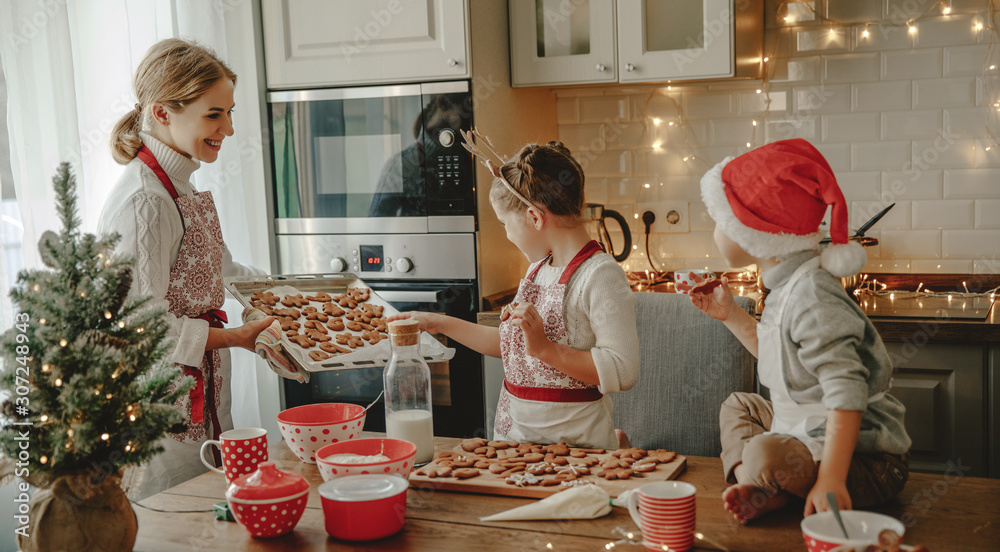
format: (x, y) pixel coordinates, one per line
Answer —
(241, 449)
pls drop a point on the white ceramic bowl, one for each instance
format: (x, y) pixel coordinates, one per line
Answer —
(399, 452)
(310, 427)
(822, 533)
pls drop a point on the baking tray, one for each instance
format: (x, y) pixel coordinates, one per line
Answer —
(369, 356)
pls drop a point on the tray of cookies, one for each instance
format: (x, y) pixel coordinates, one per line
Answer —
(537, 471)
(332, 322)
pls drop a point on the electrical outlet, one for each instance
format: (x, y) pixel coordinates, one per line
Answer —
(665, 212)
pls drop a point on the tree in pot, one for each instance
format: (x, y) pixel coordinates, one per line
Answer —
(86, 389)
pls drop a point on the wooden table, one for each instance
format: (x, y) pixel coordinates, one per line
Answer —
(944, 512)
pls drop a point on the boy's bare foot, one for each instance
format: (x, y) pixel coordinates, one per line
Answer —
(748, 502)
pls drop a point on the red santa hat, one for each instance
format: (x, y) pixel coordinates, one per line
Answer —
(771, 201)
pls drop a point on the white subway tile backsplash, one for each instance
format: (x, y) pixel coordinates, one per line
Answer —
(858, 186)
(988, 213)
(898, 12)
(837, 155)
(596, 190)
(908, 125)
(698, 132)
(887, 266)
(949, 213)
(684, 187)
(985, 266)
(699, 218)
(668, 162)
(873, 156)
(880, 37)
(971, 183)
(709, 106)
(752, 103)
(796, 69)
(987, 158)
(910, 244)
(949, 92)
(961, 61)
(911, 184)
(731, 132)
(827, 98)
(881, 96)
(662, 105)
(851, 67)
(935, 266)
(821, 39)
(971, 244)
(966, 122)
(853, 10)
(605, 136)
(567, 111)
(603, 108)
(911, 64)
(950, 30)
(624, 191)
(851, 127)
(786, 129)
(898, 218)
(944, 153)
(605, 164)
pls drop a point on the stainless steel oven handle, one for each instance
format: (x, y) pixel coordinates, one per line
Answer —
(359, 93)
(394, 296)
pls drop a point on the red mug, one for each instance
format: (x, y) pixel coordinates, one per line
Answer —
(242, 450)
(665, 513)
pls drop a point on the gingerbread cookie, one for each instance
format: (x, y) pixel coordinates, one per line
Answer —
(302, 341)
(265, 297)
(312, 314)
(336, 324)
(288, 324)
(371, 336)
(296, 300)
(359, 294)
(331, 348)
(318, 356)
(317, 335)
(465, 473)
(332, 309)
(470, 445)
(319, 297)
(506, 311)
(289, 313)
(315, 325)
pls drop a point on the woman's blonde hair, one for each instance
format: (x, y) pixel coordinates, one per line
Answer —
(173, 72)
(547, 176)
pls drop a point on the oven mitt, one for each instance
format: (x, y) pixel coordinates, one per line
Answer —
(268, 346)
(583, 502)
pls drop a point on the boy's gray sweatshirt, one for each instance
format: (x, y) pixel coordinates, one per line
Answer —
(833, 355)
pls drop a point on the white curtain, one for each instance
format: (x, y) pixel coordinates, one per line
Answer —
(68, 66)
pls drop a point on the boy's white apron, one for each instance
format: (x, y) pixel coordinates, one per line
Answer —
(539, 404)
(790, 417)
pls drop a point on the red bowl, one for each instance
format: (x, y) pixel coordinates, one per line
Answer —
(310, 427)
(364, 507)
(822, 533)
(399, 452)
(269, 518)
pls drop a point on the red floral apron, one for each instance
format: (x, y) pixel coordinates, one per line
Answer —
(539, 404)
(196, 291)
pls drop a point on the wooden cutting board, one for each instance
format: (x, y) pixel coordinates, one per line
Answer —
(489, 483)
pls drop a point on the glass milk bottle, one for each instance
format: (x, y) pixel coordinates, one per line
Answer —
(407, 381)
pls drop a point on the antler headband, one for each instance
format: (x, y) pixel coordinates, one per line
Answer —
(476, 151)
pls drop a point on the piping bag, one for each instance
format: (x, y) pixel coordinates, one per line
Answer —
(268, 346)
(583, 502)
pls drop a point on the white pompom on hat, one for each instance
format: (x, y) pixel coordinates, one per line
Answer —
(771, 201)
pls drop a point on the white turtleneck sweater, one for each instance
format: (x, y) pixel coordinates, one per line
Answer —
(141, 210)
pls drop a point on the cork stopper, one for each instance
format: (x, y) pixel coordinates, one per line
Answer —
(404, 332)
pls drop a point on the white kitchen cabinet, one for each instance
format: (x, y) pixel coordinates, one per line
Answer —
(559, 42)
(312, 43)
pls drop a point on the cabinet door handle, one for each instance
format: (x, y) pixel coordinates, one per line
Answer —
(629, 67)
(452, 62)
(601, 67)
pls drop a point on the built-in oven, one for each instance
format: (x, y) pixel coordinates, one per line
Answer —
(373, 181)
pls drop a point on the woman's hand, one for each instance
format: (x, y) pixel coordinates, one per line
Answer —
(716, 304)
(816, 500)
(525, 316)
(246, 335)
(430, 322)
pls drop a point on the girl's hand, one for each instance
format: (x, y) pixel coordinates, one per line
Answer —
(816, 500)
(525, 316)
(246, 335)
(430, 322)
(716, 304)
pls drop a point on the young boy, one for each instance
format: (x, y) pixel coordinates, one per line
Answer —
(830, 425)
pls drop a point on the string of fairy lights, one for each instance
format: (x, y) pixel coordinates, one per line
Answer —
(793, 16)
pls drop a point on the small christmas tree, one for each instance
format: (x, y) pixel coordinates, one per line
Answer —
(86, 386)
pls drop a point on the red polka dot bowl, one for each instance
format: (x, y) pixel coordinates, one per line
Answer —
(400, 456)
(268, 502)
(823, 534)
(310, 427)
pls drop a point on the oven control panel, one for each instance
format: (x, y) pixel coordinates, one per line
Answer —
(380, 257)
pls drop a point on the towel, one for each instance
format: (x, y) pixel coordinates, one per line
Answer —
(268, 346)
(583, 502)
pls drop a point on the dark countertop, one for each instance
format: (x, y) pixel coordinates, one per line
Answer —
(937, 327)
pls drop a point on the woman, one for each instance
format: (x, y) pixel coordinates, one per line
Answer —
(172, 231)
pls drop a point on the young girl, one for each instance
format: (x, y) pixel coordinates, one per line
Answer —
(830, 426)
(172, 231)
(568, 339)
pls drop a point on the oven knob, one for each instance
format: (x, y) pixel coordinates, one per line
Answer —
(446, 137)
(338, 264)
(404, 264)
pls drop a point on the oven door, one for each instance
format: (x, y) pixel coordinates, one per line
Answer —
(456, 385)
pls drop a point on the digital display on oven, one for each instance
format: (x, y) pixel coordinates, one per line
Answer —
(371, 258)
